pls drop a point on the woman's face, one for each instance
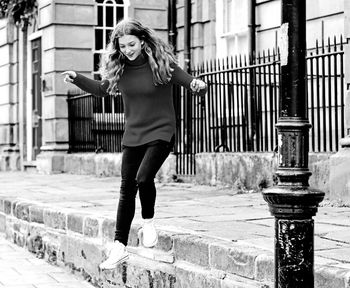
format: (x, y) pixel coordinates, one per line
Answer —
(130, 46)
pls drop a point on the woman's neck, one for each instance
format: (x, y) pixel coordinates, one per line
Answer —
(139, 60)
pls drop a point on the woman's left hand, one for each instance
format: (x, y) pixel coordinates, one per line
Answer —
(197, 85)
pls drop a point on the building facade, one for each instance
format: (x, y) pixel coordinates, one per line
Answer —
(72, 34)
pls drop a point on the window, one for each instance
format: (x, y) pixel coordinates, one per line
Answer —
(109, 13)
(233, 29)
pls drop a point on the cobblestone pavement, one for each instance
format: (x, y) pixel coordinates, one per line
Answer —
(21, 269)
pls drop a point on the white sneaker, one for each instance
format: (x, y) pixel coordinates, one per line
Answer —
(150, 236)
(116, 254)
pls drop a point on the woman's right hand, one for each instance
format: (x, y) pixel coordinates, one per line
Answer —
(69, 76)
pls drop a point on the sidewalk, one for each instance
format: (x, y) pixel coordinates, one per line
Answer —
(216, 213)
(21, 269)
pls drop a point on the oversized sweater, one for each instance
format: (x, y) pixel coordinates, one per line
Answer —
(149, 109)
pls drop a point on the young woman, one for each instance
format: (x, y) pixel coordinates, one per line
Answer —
(143, 68)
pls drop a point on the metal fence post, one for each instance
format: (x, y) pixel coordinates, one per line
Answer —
(292, 202)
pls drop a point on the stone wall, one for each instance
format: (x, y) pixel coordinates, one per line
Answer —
(253, 171)
(179, 260)
(244, 171)
(109, 164)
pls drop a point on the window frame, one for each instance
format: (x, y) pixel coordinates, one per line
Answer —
(104, 28)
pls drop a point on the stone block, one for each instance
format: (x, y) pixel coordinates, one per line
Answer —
(154, 16)
(63, 36)
(115, 278)
(339, 176)
(67, 59)
(319, 166)
(88, 164)
(92, 255)
(264, 268)
(6, 135)
(35, 244)
(165, 241)
(189, 277)
(55, 130)
(21, 211)
(75, 222)
(78, 12)
(2, 223)
(81, 254)
(145, 276)
(48, 163)
(55, 219)
(72, 163)
(55, 107)
(108, 164)
(108, 229)
(5, 91)
(36, 214)
(7, 207)
(5, 72)
(91, 227)
(5, 54)
(235, 259)
(167, 172)
(328, 276)
(193, 249)
(6, 32)
(133, 235)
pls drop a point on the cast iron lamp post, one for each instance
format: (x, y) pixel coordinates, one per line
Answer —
(292, 202)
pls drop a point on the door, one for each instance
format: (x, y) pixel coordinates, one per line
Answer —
(36, 94)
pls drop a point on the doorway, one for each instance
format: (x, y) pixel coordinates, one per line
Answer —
(36, 97)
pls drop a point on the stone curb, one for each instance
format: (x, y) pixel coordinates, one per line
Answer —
(65, 232)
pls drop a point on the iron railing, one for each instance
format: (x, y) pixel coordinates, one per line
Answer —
(238, 113)
(95, 123)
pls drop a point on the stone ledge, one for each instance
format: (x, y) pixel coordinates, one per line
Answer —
(61, 240)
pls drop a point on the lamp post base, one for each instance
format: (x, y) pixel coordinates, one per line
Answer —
(293, 209)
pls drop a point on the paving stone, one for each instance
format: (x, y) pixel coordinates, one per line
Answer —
(340, 254)
(20, 269)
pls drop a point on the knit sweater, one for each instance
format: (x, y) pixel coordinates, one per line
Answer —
(149, 109)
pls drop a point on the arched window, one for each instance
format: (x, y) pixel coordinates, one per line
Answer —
(109, 13)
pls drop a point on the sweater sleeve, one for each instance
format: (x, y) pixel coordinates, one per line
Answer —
(97, 88)
(180, 77)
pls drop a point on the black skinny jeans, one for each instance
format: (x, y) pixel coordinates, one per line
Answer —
(139, 167)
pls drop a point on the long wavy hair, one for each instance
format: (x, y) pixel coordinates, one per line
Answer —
(159, 54)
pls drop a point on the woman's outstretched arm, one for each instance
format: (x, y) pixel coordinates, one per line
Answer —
(186, 80)
(97, 88)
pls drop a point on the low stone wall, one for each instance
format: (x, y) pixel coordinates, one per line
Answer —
(249, 171)
(254, 171)
(179, 260)
(109, 164)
